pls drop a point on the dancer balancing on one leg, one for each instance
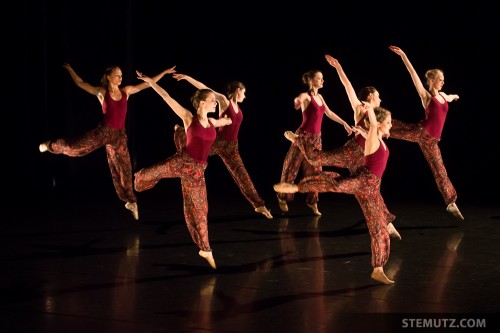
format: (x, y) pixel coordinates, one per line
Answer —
(226, 143)
(365, 183)
(313, 107)
(427, 132)
(109, 133)
(351, 154)
(190, 163)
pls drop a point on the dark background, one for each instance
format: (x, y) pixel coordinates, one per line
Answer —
(267, 46)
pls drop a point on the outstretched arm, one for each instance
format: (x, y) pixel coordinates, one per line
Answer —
(223, 121)
(221, 98)
(132, 89)
(422, 92)
(182, 112)
(450, 97)
(351, 94)
(94, 90)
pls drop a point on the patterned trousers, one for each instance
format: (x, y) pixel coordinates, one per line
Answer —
(349, 156)
(366, 186)
(429, 146)
(117, 155)
(295, 159)
(194, 191)
(229, 153)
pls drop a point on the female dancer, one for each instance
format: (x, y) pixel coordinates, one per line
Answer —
(190, 163)
(365, 183)
(313, 107)
(351, 154)
(110, 132)
(427, 132)
(226, 142)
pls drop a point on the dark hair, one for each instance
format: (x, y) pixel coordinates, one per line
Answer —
(232, 87)
(104, 78)
(200, 95)
(365, 92)
(309, 75)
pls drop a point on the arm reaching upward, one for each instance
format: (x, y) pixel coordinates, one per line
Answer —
(182, 112)
(221, 98)
(372, 141)
(351, 94)
(425, 95)
(132, 89)
(94, 90)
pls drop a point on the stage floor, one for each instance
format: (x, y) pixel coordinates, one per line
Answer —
(86, 266)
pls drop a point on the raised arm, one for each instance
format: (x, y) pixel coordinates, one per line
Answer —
(221, 98)
(422, 92)
(372, 141)
(94, 90)
(132, 89)
(351, 94)
(182, 112)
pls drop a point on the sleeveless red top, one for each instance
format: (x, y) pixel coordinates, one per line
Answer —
(435, 116)
(115, 111)
(199, 140)
(230, 132)
(377, 161)
(312, 117)
(359, 138)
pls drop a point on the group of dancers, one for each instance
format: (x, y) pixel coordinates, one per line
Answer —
(201, 135)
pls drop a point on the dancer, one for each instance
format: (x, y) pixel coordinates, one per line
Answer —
(190, 163)
(110, 132)
(427, 132)
(226, 142)
(365, 183)
(313, 107)
(351, 154)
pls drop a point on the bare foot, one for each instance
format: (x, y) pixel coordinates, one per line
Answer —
(291, 136)
(209, 257)
(286, 188)
(264, 211)
(393, 232)
(283, 205)
(314, 208)
(379, 275)
(132, 206)
(43, 147)
(453, 209)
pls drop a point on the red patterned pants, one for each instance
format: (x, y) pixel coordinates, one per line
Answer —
(350, 156)
(295, 159)
(366, 186)
(429, 146)
(194, 191)
(117, 154)
(229, 153)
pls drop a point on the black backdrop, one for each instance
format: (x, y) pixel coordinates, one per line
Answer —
(268, 46)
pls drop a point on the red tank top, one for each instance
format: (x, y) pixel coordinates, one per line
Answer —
(435, 116)
(377, 161)
(359, 138)
(230, 132)
(115, 111)
(199, 140)
(312, 117)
